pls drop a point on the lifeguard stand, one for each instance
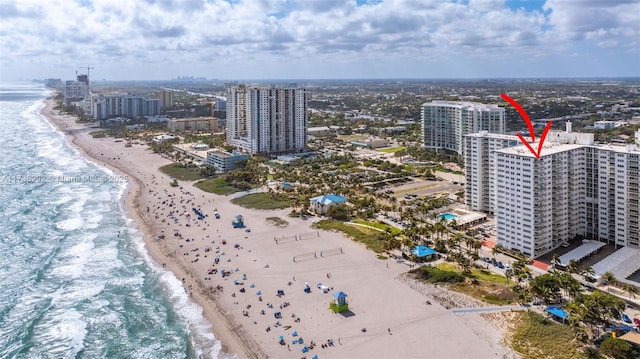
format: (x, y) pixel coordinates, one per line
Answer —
(339, 304)
(238, 221)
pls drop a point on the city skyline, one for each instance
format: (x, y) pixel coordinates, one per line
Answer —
(319, 39)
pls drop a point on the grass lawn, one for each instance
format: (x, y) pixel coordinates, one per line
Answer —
(538, 337)
(392, 149)
(181, 172)
(382, 226)
(357, 233)
(262, 201)
(217, 186)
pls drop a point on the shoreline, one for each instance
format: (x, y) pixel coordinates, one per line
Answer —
(386, 318)
(129, 204)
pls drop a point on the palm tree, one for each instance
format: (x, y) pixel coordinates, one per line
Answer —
(572, 267)
(588, 272)
(631, 289)
(607, 278)
(555, 261)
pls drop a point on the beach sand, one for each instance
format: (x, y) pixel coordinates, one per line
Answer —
(393, 309)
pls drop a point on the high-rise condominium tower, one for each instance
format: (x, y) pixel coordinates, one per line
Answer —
(267, 121)
(445, 123)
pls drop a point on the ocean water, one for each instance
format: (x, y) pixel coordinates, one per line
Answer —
(75, 279)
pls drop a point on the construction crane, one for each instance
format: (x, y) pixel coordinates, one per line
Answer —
(88, 68)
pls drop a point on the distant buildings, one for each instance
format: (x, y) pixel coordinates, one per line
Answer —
(76, 91)
(189, 124)
(113, 105)
(445, 123)
(166, 97)
(575, 188)
(267, 121)
(605, 125)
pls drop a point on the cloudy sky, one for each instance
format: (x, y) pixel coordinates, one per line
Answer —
(298, 39)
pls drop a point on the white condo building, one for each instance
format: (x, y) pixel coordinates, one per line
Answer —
(113, 105)
(445, 123)
(575, 188)
(481, 167)
(267, 121)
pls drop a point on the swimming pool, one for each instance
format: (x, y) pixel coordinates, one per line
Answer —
(447, 216)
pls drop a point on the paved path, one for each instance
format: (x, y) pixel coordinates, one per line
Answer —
(489, 309)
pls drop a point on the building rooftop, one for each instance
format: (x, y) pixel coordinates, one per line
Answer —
(223, 153)
(548, 148)
(486, 134)
(461, 104)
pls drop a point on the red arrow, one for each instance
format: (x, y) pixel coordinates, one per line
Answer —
(527, 120)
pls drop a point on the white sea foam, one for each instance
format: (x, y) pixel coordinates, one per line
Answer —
(202, 338)
(70, 224)
(93, 222)
(68, 330)
(76, 258)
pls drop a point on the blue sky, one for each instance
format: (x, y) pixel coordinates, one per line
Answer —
(298, 39)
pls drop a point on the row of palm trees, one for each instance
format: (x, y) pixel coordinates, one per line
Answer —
(588, 274)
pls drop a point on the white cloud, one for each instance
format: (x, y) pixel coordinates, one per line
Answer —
(321, 36)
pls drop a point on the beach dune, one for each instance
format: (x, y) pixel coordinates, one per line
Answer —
(235, 274)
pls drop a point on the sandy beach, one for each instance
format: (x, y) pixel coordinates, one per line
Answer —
(235, 275)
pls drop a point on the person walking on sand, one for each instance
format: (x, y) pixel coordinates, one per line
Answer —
(389, 330)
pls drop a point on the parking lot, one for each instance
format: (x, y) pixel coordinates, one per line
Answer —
(422, 187)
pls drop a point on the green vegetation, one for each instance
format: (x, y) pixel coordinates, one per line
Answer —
(477, 283)
(217, 186)
(617, 348)
(479, 274)
(436, 275)
(374, 240)
(181, 172)
(538, 337)
(379, 225)
(392, 149)
(263, 201)
(277, 221)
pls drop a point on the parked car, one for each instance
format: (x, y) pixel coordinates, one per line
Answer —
(500, 265)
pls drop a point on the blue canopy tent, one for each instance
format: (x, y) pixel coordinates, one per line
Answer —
(422, 251)
(557, 312)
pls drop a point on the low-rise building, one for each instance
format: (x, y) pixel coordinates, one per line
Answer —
(224, 161)
(321, 204)
(605, 125)
(163, 138)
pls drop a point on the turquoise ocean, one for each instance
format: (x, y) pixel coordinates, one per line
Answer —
(75, 278)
